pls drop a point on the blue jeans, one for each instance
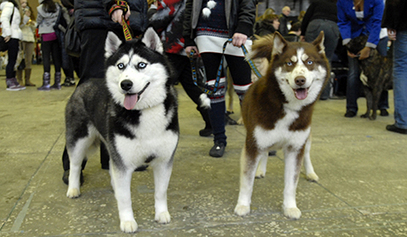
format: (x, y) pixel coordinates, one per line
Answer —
(400, 79)
(353, 83)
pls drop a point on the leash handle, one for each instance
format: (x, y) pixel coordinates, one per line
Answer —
(218, 74)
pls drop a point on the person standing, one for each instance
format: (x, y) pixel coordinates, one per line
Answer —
(356, 18)
(10, 23)
(207, 26)
(27, 43)
(395, 20)
(320, 16)
(47, 16)
(284, 21)
(93, 22)
(167, 21)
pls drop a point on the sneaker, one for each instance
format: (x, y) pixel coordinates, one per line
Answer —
(350, 114)
(383, 112)
(393, 128)
(65, 177)
(206, 132)
(12, 85)
(69, 82)
(217, 150)
(229, 120)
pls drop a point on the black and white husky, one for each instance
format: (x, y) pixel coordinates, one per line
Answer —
(134, 113)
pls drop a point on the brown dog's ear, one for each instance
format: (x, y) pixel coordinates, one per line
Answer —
(278, 44)
(262, 47)
(319, 43)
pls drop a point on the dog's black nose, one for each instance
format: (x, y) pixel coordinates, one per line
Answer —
(299, 81)
(126, 85)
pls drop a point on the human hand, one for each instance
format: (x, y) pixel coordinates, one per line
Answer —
(117, 16)
(189, 49)
(302, 38)
(352, 55)
(364, 53)
(7, 38)
(238, 39)
(392, 34)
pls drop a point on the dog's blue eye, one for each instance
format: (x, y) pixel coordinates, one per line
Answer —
(120, 65)
(289, 64)
(310, 62)
(141, 65)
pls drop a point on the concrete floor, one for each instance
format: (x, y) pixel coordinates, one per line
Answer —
(362, 168)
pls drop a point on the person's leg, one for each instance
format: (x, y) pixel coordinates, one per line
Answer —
(183, 66)
(92, 54)
(352, 88)
(384, 97)
(400, 81)
(57, 59)
(241, 75)
(217, 111)
(28, 53)
(46, 48)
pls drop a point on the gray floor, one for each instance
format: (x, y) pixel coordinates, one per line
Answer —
(362, 168)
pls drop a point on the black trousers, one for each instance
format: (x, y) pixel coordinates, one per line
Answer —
(91, 65)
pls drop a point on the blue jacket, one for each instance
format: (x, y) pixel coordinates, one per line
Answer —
(352, 27)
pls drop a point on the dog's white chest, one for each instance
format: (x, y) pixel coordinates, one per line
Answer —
(151, 137)
(281, 136)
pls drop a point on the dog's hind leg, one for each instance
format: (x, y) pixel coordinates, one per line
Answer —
(248, 167)
(369, 102)
(77, 154)
(309, 169)
(121, 181)
(162, 174)
(293, 162)
(376, 94)
(262, 167)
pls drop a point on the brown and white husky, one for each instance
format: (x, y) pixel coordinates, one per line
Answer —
(277, 114)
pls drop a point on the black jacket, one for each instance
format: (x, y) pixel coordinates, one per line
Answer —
(241, 18)
(395, 15)
(93, 14)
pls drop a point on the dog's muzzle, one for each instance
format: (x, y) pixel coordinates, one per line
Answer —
(131, 99)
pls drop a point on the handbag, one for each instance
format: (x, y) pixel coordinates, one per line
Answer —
(72, 40)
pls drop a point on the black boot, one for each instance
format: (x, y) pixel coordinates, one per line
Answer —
(207, 131)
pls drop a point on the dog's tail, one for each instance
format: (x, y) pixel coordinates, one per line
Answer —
(205, 101)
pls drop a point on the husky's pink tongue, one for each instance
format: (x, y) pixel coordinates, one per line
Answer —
(130, 101)
(301, 94)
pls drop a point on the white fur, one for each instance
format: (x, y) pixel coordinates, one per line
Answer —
(205, 101)
(314, 82)
(150, 136)
(281, 137)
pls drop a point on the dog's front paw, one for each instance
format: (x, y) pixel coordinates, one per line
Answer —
(313, 177)
(163, 217)
(242, 210)
(128, 226)
(260, 174)
(292, 212)
(73, 193)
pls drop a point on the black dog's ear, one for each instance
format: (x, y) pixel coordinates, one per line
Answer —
(112, 43)
(152, 40)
